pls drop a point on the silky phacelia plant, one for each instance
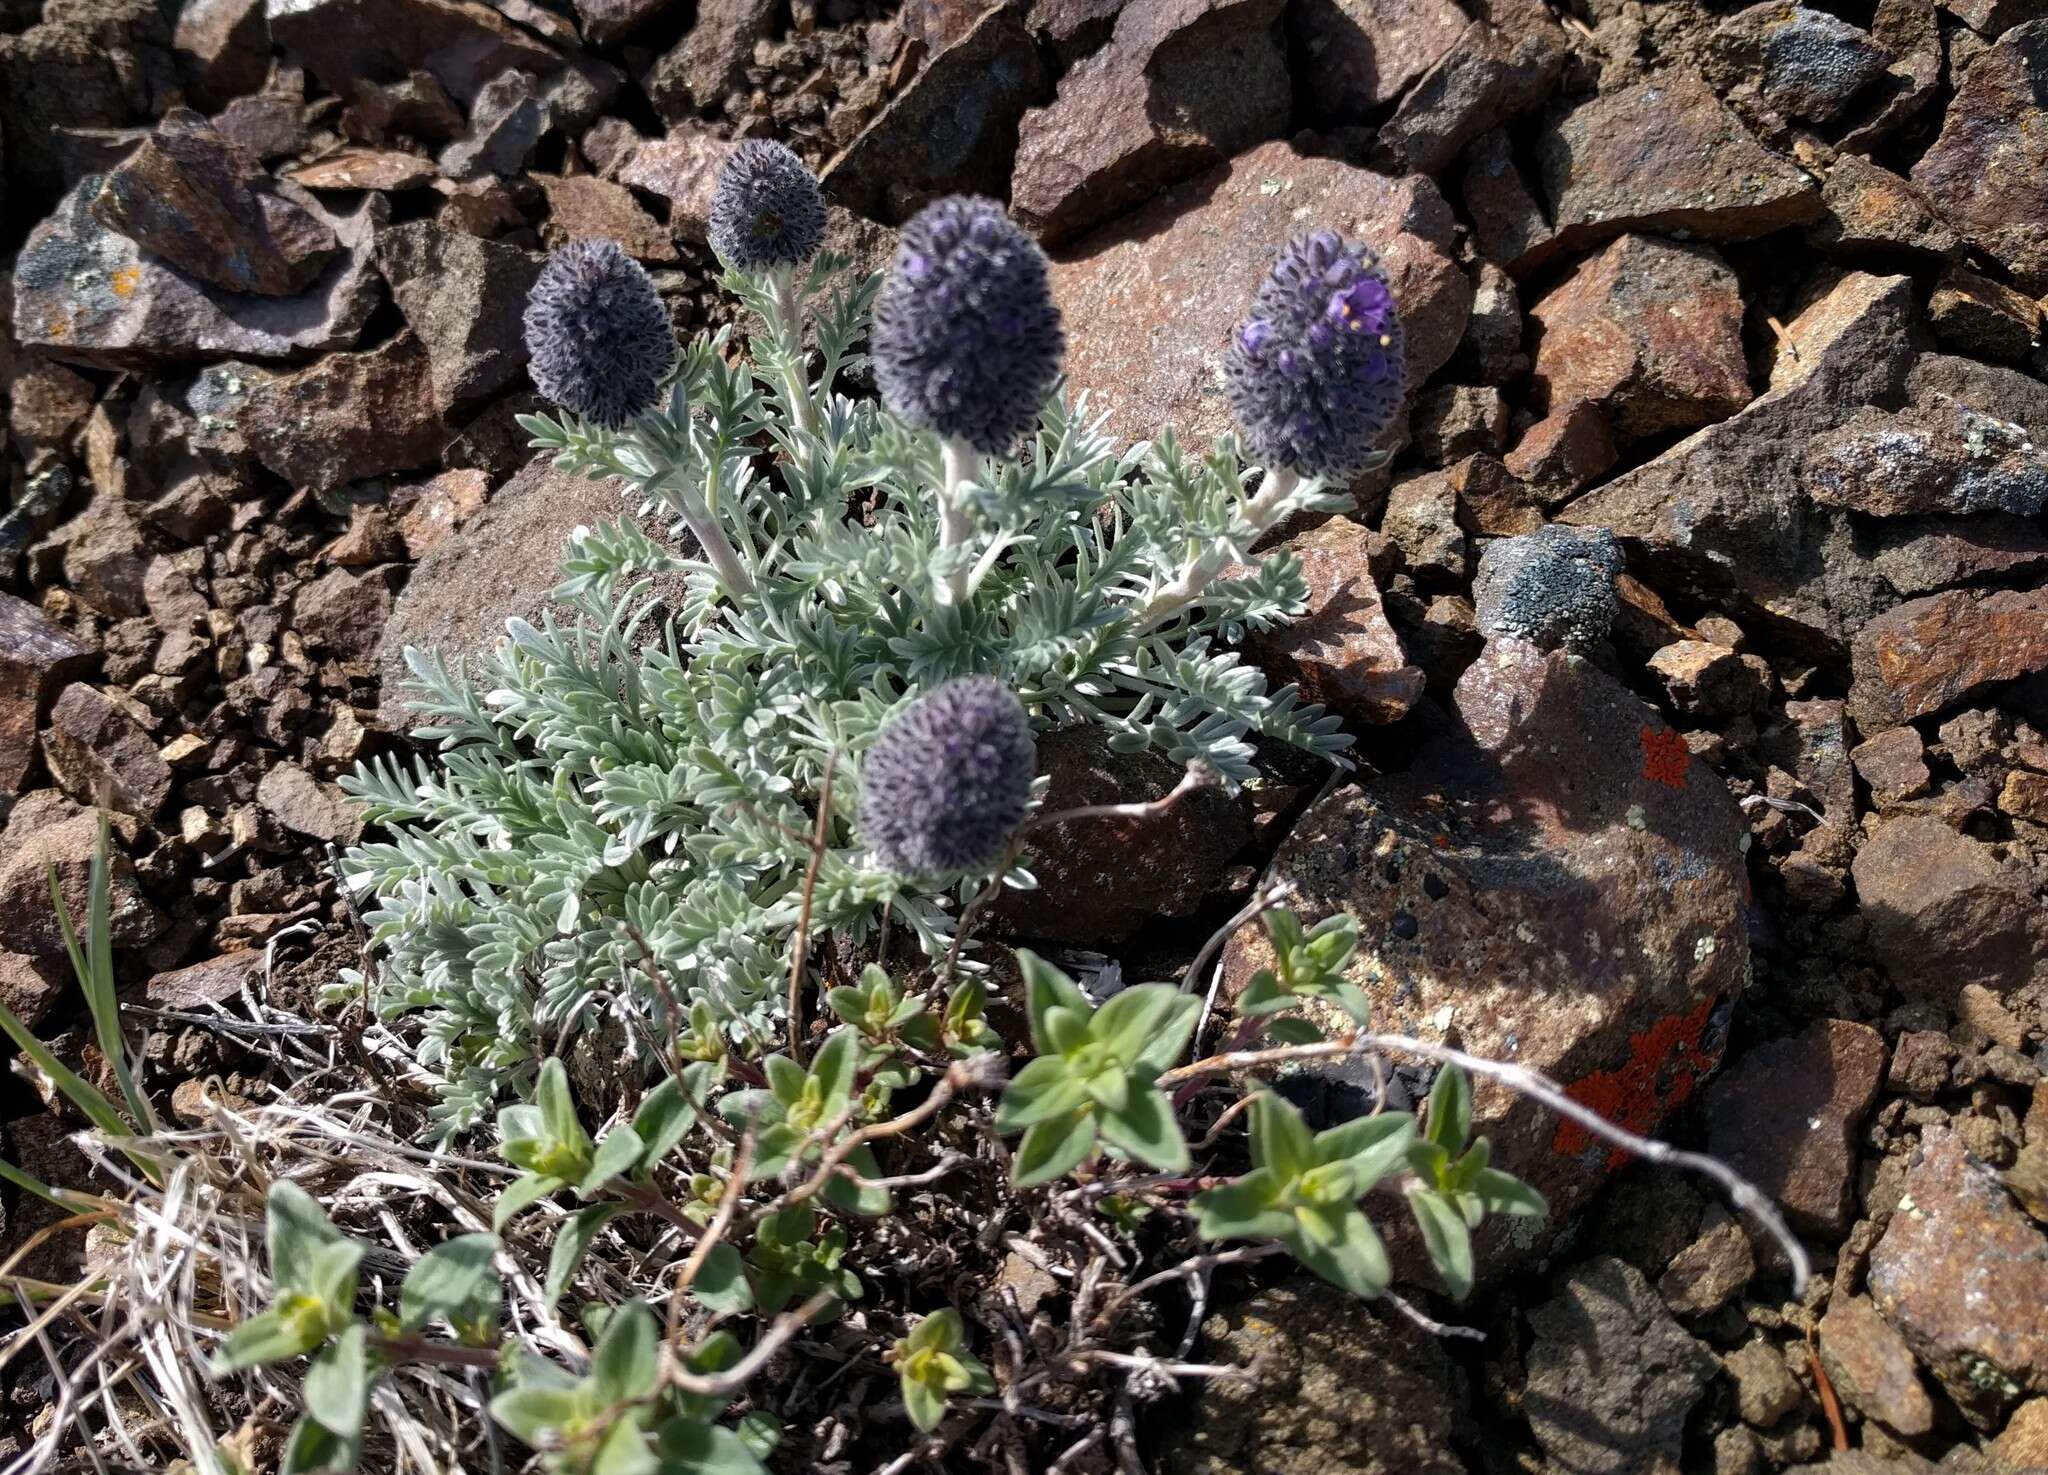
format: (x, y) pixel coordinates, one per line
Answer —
(948, 780)
(766, 210)
(1316, 374)
(967, 338)
(625, 788)
(599, 338)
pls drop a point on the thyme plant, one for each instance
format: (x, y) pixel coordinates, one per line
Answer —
(618, 809)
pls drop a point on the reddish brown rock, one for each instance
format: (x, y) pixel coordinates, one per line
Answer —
(1150, 300)
(1975, 315)
(2025, 796)
(93, 747)
(1872, 1367)
(1485, 79)
(1785, 1117)
(1794, 60)
(1944, 910)
(1935, 455)
(1492, 501)
(365, 169)
(1509, 222)
(1925, 555)
(1181, 85)
(709, 63)
(1099, 881)
(1341, 651)
(1650, 331)
(1931, 654)
(1561, 455)
(61, 836)
(463, 298)
(344, 612)
(1988, 171)
(682, 168)
(1362, 55)
(1710, 1272)
(583, 207)
(1709, 680)
(2024, 1444)
(309, 427)
(1894, 764)
(1557, 880)
(1665, 155)
(36, 657)
(461, 43)
(1870, 209)
(31, 987)
(434, 510)
(214, 981)
(1957, 1260)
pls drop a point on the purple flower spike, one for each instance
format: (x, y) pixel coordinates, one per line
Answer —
(1316, 374)
(766, 210)
(599, 337)
(948, 780)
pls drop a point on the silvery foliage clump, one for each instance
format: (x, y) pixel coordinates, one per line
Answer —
(617, 811)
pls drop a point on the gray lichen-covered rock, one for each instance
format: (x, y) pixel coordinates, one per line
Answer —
(1553, 588)
(1804, 63)
(1935, 455)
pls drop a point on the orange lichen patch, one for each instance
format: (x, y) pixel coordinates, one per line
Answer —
(1665, 757)
(1665, 1062)
(126, 280)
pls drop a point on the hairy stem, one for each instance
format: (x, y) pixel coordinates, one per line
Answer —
(789, 330)
(957, 461)
(1262, 511)
(717, 547)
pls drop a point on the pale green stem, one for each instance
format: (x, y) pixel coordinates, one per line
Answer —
(789, 329)
(717, 547)
(957, 463)
(1261, 513)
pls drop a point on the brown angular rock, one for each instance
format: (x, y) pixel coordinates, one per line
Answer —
(1929, 655)
(190, 197)
(1894, 764)
(214, 981)
(364, 169)
(607, 21)
(1150, 300)
(506, 121)
(1650, 331)
(461, 43)
(1361, 55)
(710, 61)
(31, 987)
(1421, 519)
(1341, 651)
(953, 130)
(1952, 1269)
(1454, 421)
(1975, 315)
(93, 747)
(309, 427)
(1709, 680)
(1935, 455)
(1785, 1117)
(1944, 910)
(1099, 881)
(1557, 879)
(64, 837)
(433, 511)
(1798, 61)
(463, 298)
(344, 612)
(1872, 1368)
(305, 806)
(1710, 1272)
(1926, 555)
(1870, 209)
(1664, 155)
(88, 65)
(2024, 1444)
(1988, 171)
(1492, 501)
(1485, 79)
(1181, 85)
(683, 169)
(36, 656)
(1562, 454)
(583, 207)
(222, 47)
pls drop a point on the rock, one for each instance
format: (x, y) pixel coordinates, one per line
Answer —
(1927, 555)
(1341, 651)
(1785, 1117)
(506, 121)
(1650, 331)
(952, 130)
(1493, 501)
(1100, 880)
(1868, 209)
(1710, 1272)
(1707, 680)
(32, 987)
(48, 406)
(1338, 1389)
(1803, 63)
(308, 426)
(94, 748)
(1935, 455)
(64, 838)
(1361, 55)
(1944, 910)
(190, 197)
(1976, 315)
(1421, 520)
(36, 657)
(1453, 421)
(105, 557)
(1182, 85)
(1149, 301)
(223, 49)
(1555, 880)
(1930, 655)
(1492, 346)
(583, 207)
(1994, 389)
(88, 64)
(202, 985)
(1988, 171)
(1483, 80)
(438, 507)
(1910, 30)
(2025, 796)
(1872, 1368)
(709, 63)
(345, 612)
(1562, 454)
(1894, 764)
(1920, 1064)
(683, 169)
(505, 562)
(461, 43)
(1552, 588)
(463, 298)
(608, 21)
(305, 806)
(264, 125)
(2024, 1444)
(418, 107)
(362, 169)
(1723, 514)
(1510, 225)
(89, 294)
(1765, 1390)
(1665, 155)
(1956, 1261)
(1611, 1376)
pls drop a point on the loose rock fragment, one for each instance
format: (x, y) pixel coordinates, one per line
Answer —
(1553, 588)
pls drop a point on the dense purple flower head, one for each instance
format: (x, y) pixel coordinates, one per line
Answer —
(967, 340)
(948, 780)
(600, 338)
(766, 210)
(1315, 375)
